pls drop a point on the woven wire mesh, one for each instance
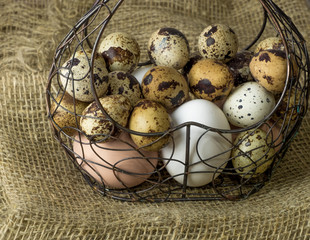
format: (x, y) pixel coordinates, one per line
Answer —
(281, 125)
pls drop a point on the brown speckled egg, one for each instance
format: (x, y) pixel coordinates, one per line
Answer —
(168, 47)
(193, 59)
(149, 117)
(65, 112)
(274, 43)
(121, 52)
(78, 83)
(94, 122)
(269, 68)
(165, 85)
(218, 41)
(124, 83)
(254, 153)
(211, 79)
(239, 66)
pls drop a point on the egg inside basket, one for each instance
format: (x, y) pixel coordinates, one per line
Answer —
(177, 114)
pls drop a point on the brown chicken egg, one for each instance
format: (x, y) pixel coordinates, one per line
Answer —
(149, 117)
(116, 164)
(121, 51)
(66, 112)
(165, 85)
(97, 126)
(211, 79)
(124, 83)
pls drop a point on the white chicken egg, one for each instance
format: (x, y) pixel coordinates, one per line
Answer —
(208, 150)
(248, 104)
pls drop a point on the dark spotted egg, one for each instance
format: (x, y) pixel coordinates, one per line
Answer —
(165, 85)
(218, 41)
(124, 83)
(274, 43)
(248, 104)
(168, 47)
(75, 76)
(121, 51)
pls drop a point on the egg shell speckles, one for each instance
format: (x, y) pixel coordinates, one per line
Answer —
(254, 153)
(165, 85)
(75, 76)
(218, 41)
(94, 121)
(121, 51)
(239, 66)
(269, 68)
(211, 80)
(149, 117)
(274, 43)
(124, 83)
(66, 115)
(168, 47)
(248, 104)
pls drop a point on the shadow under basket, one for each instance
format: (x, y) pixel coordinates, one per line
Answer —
(154, 183)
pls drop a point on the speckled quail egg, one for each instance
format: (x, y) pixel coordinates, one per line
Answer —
(274, 43)
(140, 71)
(97, 126)
(218, 41)
(239, 66)
(75, 76)
(149, 117)
(168, 47)
(66, 111)
(269, 69)
(248, 104)
(165, 85)
(121, 51)
(124, 83)
(211, 79)
(254, 153)
(193, 59)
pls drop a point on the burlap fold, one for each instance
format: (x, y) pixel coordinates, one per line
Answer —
(42, 195)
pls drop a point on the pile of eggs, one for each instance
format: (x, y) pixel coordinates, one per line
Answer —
(217, 87)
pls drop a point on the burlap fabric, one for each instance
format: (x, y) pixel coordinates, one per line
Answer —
(42, 196)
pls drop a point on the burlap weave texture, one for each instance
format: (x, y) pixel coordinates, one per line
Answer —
(42, 195)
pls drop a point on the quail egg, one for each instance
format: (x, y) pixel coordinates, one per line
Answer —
(253, 153)
(168, 47)
(273, 43)
(121, 51)
(218, 41)
(149, 117)
(124, 83)
(165, 85)
(75, 76)
(97, 125)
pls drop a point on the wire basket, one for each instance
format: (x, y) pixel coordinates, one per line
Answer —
(156, 179)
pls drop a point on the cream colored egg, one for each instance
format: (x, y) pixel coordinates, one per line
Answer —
(254, 153)
(218, 41)
(168, 47)
(149, 117)
(121, 51)
(98, 126)
(274, 43)
(75, 76)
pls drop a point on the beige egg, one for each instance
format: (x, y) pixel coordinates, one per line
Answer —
(274, 43)
(269, 69)
(116, 164)
(65, 112)
(253, 153)
(75, 76)
(124, 83)
(193, 59)
(211, 79)
(149, 117)
(218, 41)
(165, 85)
(121, 51)
(168, 47)
(98, 126)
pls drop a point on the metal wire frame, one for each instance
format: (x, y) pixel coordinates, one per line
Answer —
(229, 185)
